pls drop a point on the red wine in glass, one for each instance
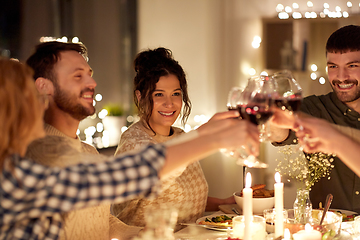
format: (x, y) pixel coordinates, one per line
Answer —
(255, 114)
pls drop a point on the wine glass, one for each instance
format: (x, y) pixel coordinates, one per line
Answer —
(234, 102)
(256, 104)
(232, 105)
(234, 98)
(289, 93)
(257, 100)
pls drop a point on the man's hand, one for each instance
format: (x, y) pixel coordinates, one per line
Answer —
(280, 123)
(282, 119)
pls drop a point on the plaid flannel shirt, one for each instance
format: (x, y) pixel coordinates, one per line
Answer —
(33, 196)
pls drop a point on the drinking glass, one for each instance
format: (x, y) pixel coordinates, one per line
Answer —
(270, 216)
(234, 98)
(256, 103)
(160, 223)
(233, 104)
(289, 93)
(257, 227)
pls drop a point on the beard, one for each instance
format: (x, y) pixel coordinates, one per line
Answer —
(346, 96)
(68, 103)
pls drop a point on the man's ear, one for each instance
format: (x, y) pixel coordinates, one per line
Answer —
(138, 95)
(44, 86)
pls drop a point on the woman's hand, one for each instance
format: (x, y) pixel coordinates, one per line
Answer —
(236, 133)
(216, 123)
(223, 131)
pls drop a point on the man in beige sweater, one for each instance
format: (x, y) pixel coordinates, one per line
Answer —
(64, 76)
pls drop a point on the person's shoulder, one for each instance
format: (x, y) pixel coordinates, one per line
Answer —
(312, 98)
(88, 148)
(134, 137)
(51, 149)
(47, 141)
(135, 131)
(317, 100)
(318, 105)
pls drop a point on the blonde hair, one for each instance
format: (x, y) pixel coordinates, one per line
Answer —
(20, 107)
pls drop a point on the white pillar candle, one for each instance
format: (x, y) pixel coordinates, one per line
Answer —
(308, 234)
(247, 206)
(279, 205)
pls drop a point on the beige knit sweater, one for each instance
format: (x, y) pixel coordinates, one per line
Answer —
(187, 190)
(57, 149)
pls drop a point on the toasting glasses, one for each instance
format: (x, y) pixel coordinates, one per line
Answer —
(254, 104)
(257, 100)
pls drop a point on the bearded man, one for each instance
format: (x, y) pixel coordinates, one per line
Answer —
(341, 107)
(63, 75)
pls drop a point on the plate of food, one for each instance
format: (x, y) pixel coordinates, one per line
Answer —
(347, 215)
(217, 222)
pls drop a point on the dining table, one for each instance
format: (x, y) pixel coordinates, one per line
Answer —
(193, 232)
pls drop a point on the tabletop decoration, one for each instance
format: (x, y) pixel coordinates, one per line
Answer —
(287, 235)
(247, 206)
(302, 206)
(305, 170)
(308, 234)
(279, 205)
(257, 227)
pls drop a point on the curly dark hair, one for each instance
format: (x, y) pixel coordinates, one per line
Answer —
(345, 39)
(149, 66)
(47, 54)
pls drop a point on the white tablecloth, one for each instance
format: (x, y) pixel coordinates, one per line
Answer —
(201, 233)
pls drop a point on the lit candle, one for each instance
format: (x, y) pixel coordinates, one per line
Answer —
(279, 205)
(287, 235)
(308, 234)
(247, 206)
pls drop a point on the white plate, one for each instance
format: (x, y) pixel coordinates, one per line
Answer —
(215, 215)
(346, 212)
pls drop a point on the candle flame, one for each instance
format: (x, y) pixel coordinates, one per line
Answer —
(308, 227)
(277, 177)
(248, 180)
(287, 234)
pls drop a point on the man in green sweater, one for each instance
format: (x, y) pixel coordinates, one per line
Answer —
(341, 107)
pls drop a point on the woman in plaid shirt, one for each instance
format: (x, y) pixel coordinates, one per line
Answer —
(33, 196)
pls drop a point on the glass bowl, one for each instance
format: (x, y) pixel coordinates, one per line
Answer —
(329, 229)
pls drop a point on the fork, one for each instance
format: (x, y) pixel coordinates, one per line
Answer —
(235, 211)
